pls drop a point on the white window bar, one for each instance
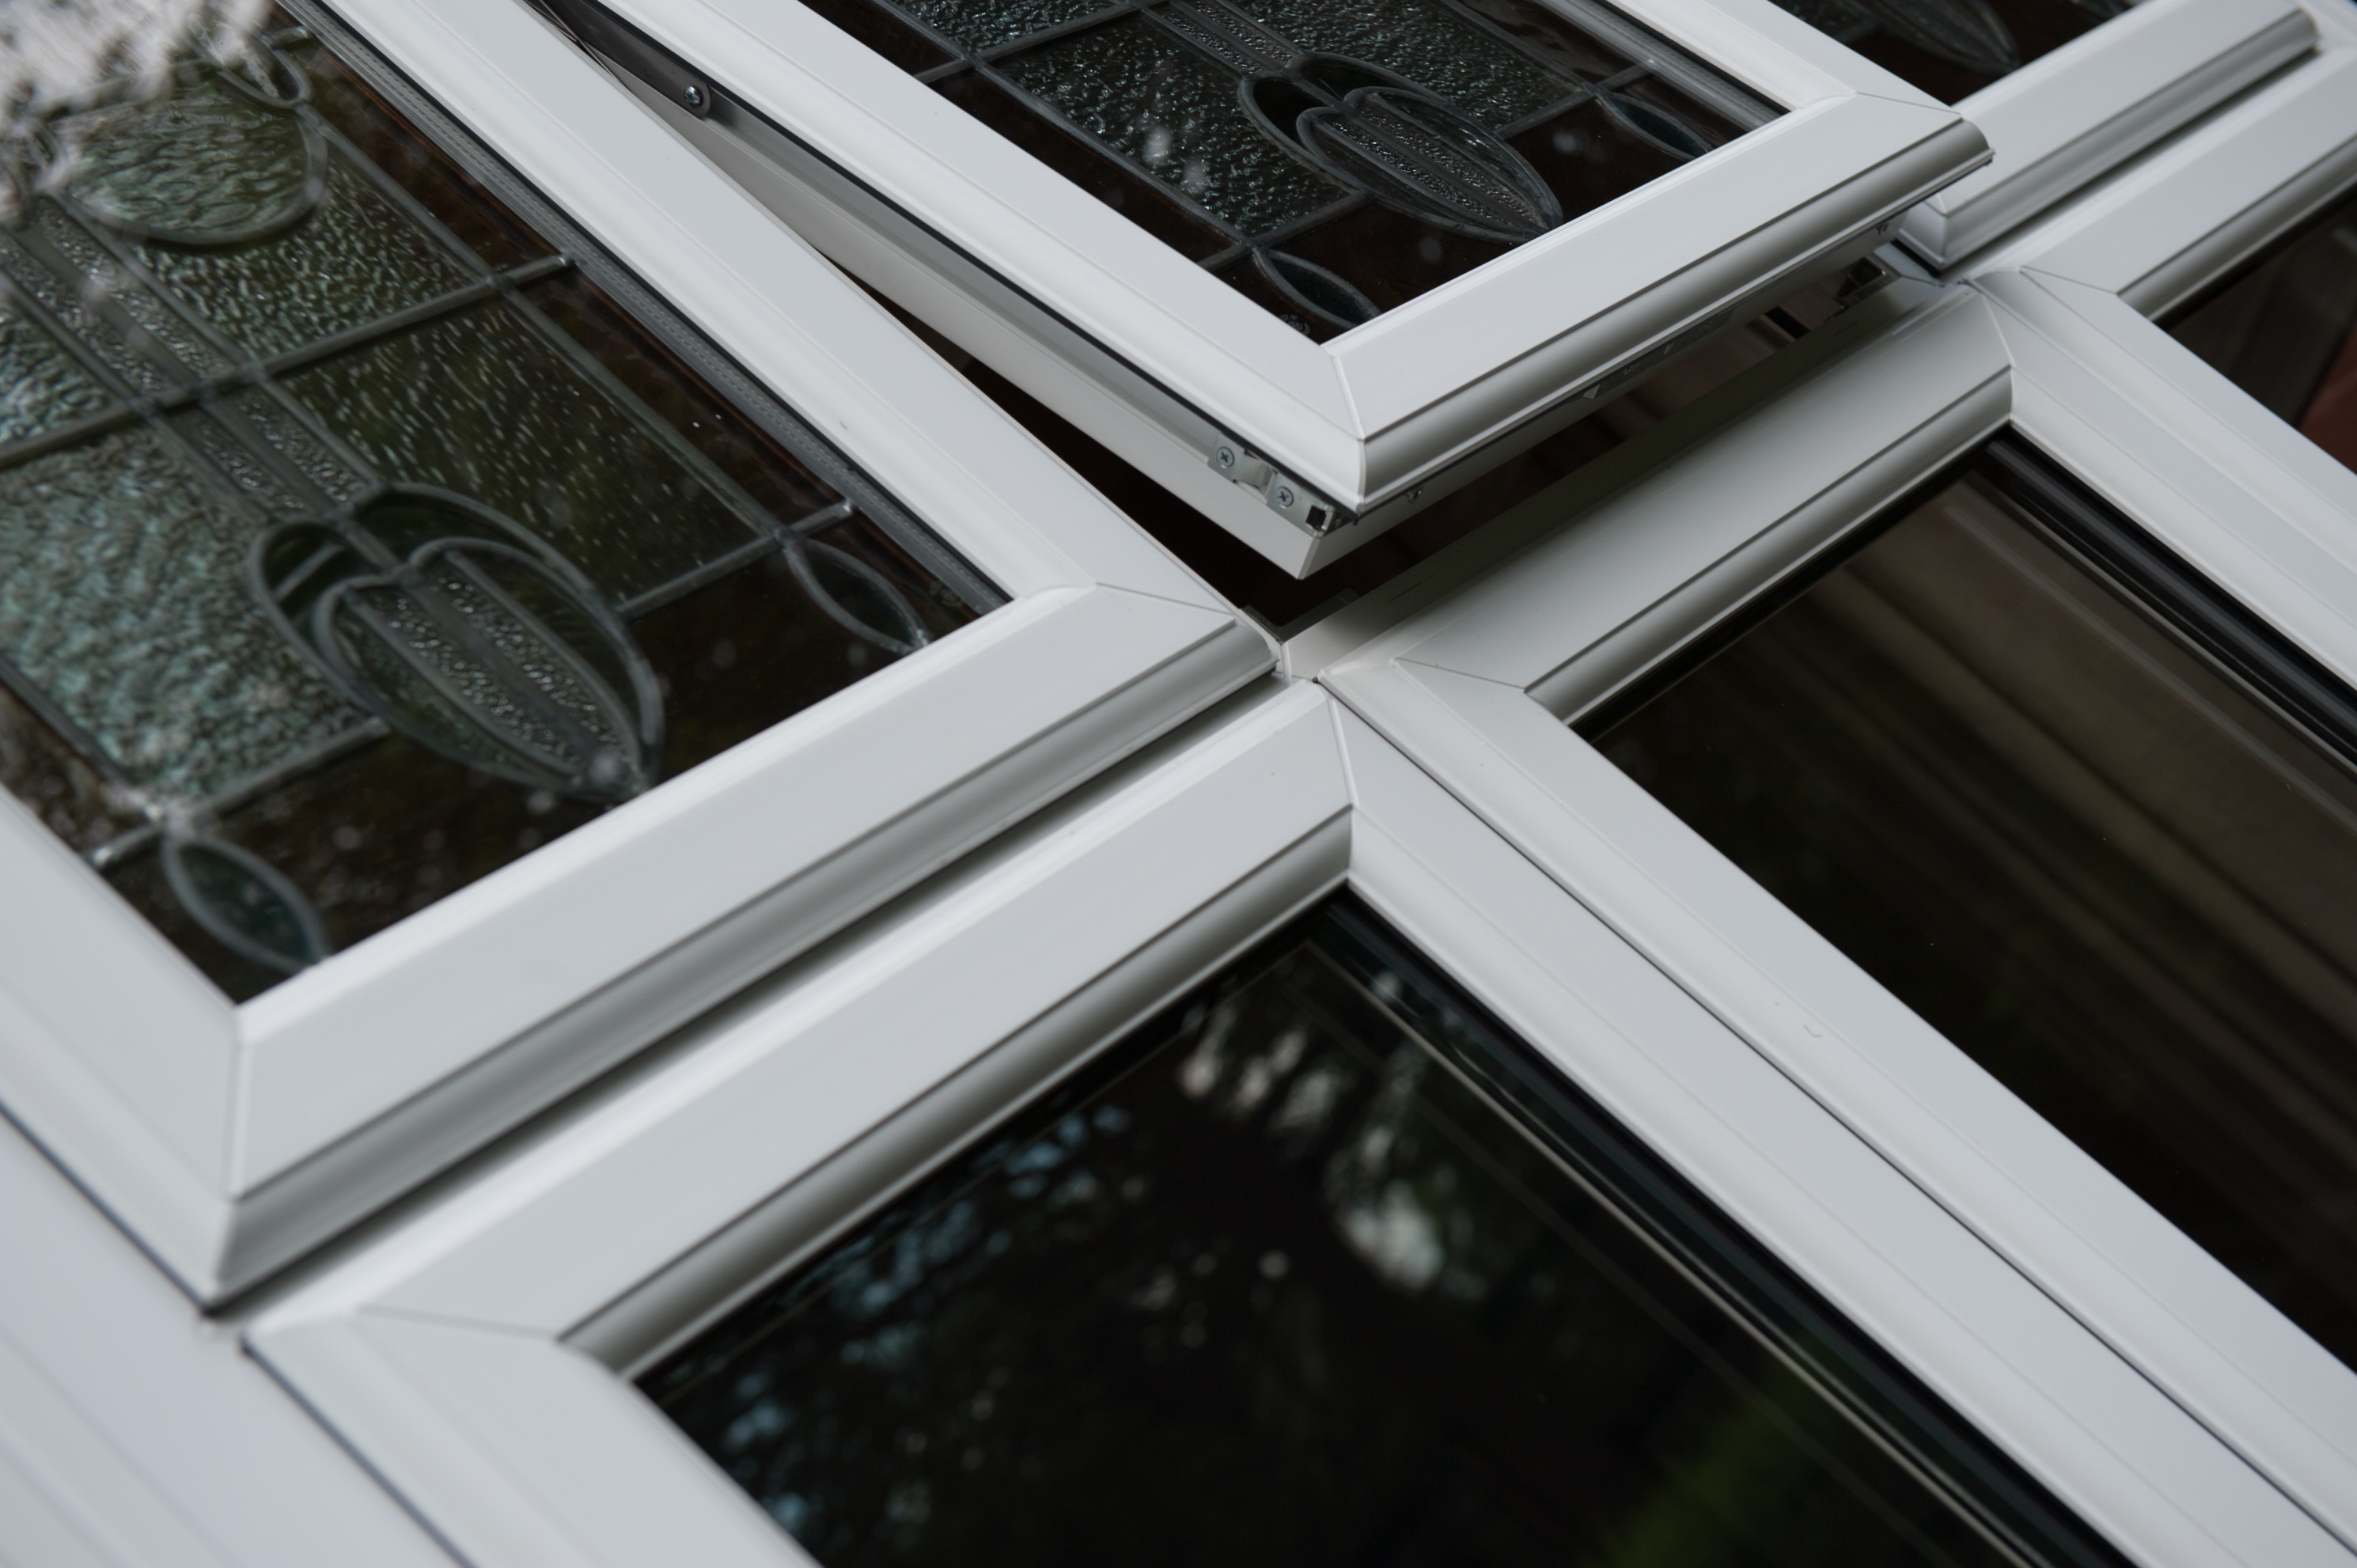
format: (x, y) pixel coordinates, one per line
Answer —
(479, 1358)
(1586, 589)
(1304, 449)
(2095, 277)
(230, 1137)
(2068, 116)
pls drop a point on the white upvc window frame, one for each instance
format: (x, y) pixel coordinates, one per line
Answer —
(2068, 117)
(1167, 365)
(1591, 585)
(228, 1137)
(479, 1359)
(2095, 277)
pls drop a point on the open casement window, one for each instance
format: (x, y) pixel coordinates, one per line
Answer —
(1294, 1144)
(1970, 743)
(1310, 266)
(473, 589)
(2064, 89)
(2219, 283)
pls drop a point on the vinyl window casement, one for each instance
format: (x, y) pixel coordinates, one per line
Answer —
(2064, 89)
(382, 641)
(2220, 281)
(506, 1360)
(1678, 171)
(2203, 601)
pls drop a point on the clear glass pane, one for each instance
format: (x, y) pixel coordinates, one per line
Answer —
(2113, 864)
(2284, 330)
(1953, 48)
(1330, 160)
(1321, 1267)
(353, 541)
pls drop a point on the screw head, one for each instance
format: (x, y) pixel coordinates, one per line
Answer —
(1284, 497)
(1225, 457)
(693, 96)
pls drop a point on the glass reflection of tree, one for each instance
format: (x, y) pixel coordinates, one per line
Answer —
(1282, 1285)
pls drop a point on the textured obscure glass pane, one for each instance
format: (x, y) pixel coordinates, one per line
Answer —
(1434, 47)
(2284, 330)
(1322, 1268)
(122, 603)
(352, 541)
(356, 259)
(2116, 872)
(1163, 105)
(483, 403)
(41, 387)
(1330, 160)
(981, 24)
(1953, 48)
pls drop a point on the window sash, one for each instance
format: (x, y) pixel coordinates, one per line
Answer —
(230, 1138)
(1081, 306)
(504, 1324)
(2068, 117)
(2093, 278)
(1480, 688)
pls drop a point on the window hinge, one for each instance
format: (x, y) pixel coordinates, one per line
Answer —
(596, 28)
(1287, 496)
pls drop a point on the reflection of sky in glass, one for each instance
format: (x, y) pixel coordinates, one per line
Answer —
(1276, 1285)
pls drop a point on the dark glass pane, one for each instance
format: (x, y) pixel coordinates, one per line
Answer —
(2284, 330)
(1288, 605)
(1953, 48)
(418, 547)
(43, 771)
(2114, 870)
(1339, 159)
(1321, 1267)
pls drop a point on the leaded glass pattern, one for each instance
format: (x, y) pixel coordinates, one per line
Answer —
(354, 541)
(1953, 48)
(1322, 1267)
(1330, 160)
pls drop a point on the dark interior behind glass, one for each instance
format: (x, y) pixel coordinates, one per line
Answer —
(1328, 158)
(1286, 605)
(361, 529)
(2284, 330)
(1323, 1267)
(1953, 48)
(2085, 815)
